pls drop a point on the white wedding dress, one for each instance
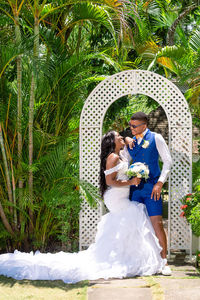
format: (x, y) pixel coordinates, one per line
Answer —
(125, 246)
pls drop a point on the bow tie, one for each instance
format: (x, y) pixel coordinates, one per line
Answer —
(139, 135)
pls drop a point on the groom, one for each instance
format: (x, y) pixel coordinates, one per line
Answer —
(146, 147)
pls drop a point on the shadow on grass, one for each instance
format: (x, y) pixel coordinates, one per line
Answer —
(10, 282)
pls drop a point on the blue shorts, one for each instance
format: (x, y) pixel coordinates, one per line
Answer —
(142, 194)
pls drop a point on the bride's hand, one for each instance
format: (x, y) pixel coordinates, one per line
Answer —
(135, 181)
(130, 142)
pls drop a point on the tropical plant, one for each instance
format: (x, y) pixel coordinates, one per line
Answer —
(49, 75)
(62, 49)
(191, 211)
(198, 260)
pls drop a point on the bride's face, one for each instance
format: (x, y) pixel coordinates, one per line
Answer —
(119, 141)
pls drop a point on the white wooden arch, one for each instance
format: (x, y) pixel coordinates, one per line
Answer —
(163, 91)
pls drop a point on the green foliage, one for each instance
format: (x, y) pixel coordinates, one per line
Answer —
(194, 219)
(198, 260)
(191, 202)
(81, 42)
(4, 237)
(195, 41)
(91, 13)
(196, 175)
(120, 112)
(191, 211)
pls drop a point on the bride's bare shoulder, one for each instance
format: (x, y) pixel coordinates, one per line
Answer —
(112, 160)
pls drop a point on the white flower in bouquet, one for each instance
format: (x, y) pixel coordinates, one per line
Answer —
(139, 170)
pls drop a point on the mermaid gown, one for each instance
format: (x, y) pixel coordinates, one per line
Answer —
(125, 246)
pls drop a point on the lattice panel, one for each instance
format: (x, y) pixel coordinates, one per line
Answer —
(167, 95)
(180, 139)
(104, 94)
(180, 185)
(89, 220)
(90, 158)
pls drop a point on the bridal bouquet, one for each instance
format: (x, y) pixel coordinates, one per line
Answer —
(139, 170)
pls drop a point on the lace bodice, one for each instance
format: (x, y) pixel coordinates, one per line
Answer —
(121, 169)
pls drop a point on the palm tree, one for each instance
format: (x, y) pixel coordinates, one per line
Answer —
(172, 29)
(63, 48)
(53, 75)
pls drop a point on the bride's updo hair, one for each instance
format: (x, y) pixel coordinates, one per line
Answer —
(107, 147)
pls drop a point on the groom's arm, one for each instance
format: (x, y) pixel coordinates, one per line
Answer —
(165, 155)
(125, 155)
(167, 163)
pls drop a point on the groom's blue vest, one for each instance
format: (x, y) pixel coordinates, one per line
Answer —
(148, 155)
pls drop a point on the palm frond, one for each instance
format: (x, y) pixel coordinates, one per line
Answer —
(194, 41)
(172, 52)
(89, 12)
(164, 20)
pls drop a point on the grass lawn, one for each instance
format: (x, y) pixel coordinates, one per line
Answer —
(11, 289)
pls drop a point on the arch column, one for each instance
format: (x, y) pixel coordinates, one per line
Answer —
(180, 143)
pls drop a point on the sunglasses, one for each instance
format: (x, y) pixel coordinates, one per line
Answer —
(135, 126)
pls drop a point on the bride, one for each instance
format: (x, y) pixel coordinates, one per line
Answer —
(125, 243)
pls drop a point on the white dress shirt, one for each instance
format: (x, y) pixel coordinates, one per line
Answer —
(163, 152)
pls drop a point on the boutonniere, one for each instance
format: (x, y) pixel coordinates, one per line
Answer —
(145, 144)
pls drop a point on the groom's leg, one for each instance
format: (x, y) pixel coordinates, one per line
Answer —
(154, 209)
(160, 233)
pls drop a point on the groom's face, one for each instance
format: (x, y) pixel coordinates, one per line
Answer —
(137, 126)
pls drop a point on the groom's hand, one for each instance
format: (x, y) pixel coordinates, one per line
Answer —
(157, 191)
